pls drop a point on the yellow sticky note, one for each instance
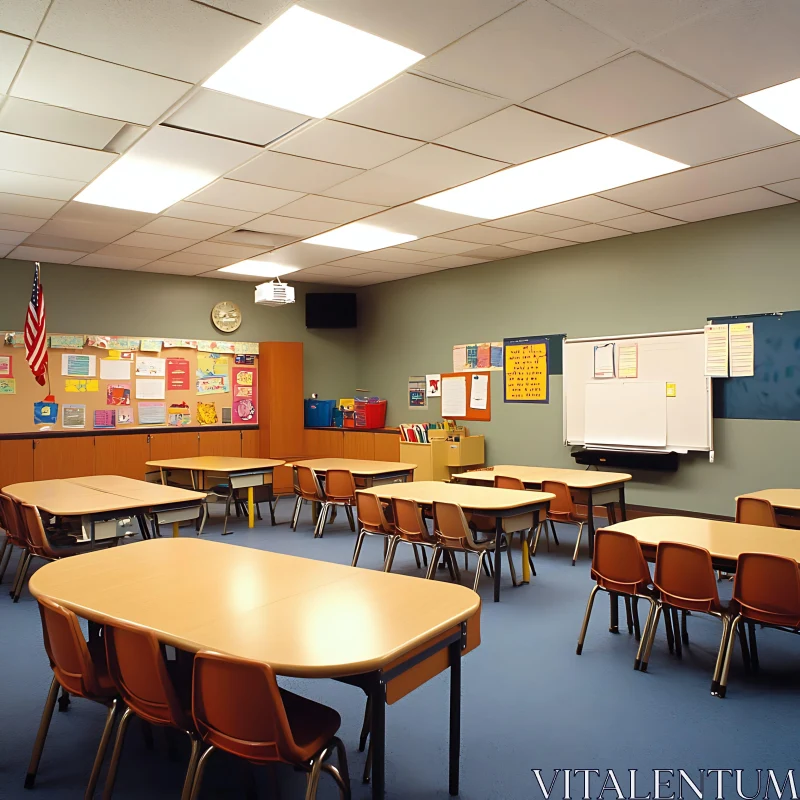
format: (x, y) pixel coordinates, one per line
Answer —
(672, 390)
(115, 354)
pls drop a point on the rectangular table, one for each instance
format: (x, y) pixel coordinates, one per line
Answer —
(305, 618)
(103, 497)
(241, 473)
(786, 502)
(485, 500)
(367, 473)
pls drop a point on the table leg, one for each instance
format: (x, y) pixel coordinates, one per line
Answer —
(455, 715)
(623, 511)
(176, 530)
(251, 522)
(91, 534)
(377, 734)
(526, 567)
(590, 521)
(498, 538)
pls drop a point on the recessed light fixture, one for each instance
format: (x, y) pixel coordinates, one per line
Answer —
(780, 103)
(311, 64)
(259, 269)
(362, 237)
(590, 168)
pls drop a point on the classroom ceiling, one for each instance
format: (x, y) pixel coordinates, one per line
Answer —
(498, 83)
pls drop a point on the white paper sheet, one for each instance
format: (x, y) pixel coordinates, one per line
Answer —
(454, 397)
(604, 366)
(150, 389)
(148, 365)
(152, 413)
(115, 369)
(480, 390)
(78, 365)
(742, 349)
(716, 351)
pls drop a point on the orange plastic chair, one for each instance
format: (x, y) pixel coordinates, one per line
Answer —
(755, 511)
(766, 590)
(307, 489)
(139, 669)
(410, 528)
(509, 482)
(80, 670)
(15, 537)
(619, 567)
(340, 490)
(562, 509)
(371, 522)
(238, 708)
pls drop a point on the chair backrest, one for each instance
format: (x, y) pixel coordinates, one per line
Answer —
(685, 577)
(308, 483)
(138, 668)
(37, 540)
(370, 513)
(451, 527)
(755, 511)
(340, 486)
(507, 482)
(618, 563)
(237, 707)
(67, 650)
(562, 504)
(12, 523)
(409, 524)
(767, 589)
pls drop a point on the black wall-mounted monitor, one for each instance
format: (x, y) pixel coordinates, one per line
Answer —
(331, 310)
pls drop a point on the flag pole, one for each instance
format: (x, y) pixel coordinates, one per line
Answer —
(50, 398)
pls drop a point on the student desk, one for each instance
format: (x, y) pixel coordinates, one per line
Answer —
(103, 497)
(786, 502)
(366, 473)
(241, 473)
(498, 503)
(305, 618)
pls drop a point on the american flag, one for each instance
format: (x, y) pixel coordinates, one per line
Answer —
(35, 334)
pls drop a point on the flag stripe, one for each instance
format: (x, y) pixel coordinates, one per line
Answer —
(35, 334)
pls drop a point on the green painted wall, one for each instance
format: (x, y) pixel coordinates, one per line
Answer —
(671, 279)
(121, 302)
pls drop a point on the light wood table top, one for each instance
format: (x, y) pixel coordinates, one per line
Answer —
(305, 618)
(355, 465)
(217, 463)
(143, 493)
(780, 498)
(474, 498)
(574, 478)
(724, 540)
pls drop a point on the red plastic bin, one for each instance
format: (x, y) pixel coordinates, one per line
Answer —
(370, 415)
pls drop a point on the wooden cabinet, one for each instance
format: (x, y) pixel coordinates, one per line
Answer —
(124, 455)
(16, 461)
(250, 444)
(174, 445)
(324, 444)
(221, 443)
(358, 445)
(67, 457)
(280, 398)
(387, 446)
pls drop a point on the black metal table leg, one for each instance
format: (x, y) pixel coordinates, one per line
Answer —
(377, 696)
(623, 512)
(455, 715)
(590, 521)
(498, 537)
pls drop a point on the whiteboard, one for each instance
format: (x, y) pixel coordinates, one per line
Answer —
(635, 419)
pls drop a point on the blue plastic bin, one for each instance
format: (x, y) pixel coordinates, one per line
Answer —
(319, 413)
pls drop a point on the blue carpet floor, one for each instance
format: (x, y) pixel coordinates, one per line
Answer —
(528, 701)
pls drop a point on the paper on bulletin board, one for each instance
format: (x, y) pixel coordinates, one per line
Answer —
(190, 344)
(73, 416)
(45, 413)
(177, 373)
(416, 392)
(527, 370)
(245, 396)
(8, 385)
(105, 418)
(479, 396)
(433, 385)
(216, 384)
(6, 370)
(66, 341)
(115, 369)
(152, 413)
(210, 364)
(77, 385)
(207, 413)
(216, 347)
(78, 365)
(124, 416)
(179, 414)
(629, 360)
(742, 349)
(150, 345)
(605, 360)
(454, 397)
(150, 389)
(715, 338)
(118, 394)
(227, 415)
(484, 356)
(148, 365)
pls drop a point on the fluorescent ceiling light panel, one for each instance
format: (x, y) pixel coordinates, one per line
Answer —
(359, 236)
(311, 64)
(780, 103)
(588, 169)
(259, 269)
(163, 167)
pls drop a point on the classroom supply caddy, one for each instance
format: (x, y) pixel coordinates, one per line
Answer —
(446, 451)
(370, 413)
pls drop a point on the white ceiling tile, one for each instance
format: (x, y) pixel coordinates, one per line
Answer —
(223, 250)
(589, 209)
(234, 118)
(5, 249)
(51, 159)
(646, 221)
(40, 239)
(371, 278)
(723, 130)
(119, 251)
(22, 17)
(534, 222)
(326, 209)
(492, 252)
(91, 231)
(447, 262)
(232, 276)
(516, 135)
(126, 138)
(244, 196)
(735, 203)
(340, 143)
(631, 91)
(155, 242)
(11, 222)
(741, 47)
(174, 268)
(288, 226)
(104, 215)
(248, 238)
(45, 254)
(537, 244)
(13, 237)
(70, 80)
(111, 262)
(28, 206)
(366, 263)
(787, 188)
(38, 185)
(333, 272)
(189, 229)
(435, 244)
(421, 220)
(292, 172)
(421, 25)
(483, 234)
(527, 50)
(402, 256)
(721, 177)
(421, 172)
(180, 39)
(12, 51)
(206, 213)
(57, 124)
(419, 108)
(262, 11)
(588, 233)
(205, 261)
(306, 255)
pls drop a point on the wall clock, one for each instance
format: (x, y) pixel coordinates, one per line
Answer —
(226, 316)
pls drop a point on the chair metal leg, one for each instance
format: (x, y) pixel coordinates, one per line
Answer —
(342, 775)
(643, 639)
(298, 504)
(21, 583)
(367, 764)
(434, 562)
(323, 519)
(6, 548)
(511, 567)
(650, 637)
(637, 632)
(44, 727)
(357, 552)
(4, 564)
(751, 636)
(481, 560)
(362, 739)
(227, 514)
(387, 565)
(628, 614)
(585, 625)
(191, 769)
(312, 781)
(684, 628)
(676, 631)
(23, 557)
(722, 690)
(536, 538)
(108, 728)
(723, 645)
(116, 753)
(198, 773)
(349, 511)
(668, 626)
(577, 543)
(416, 556)
(555, 535)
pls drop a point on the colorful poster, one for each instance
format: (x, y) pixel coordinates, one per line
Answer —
(210, 364)
(124, 417)
(152, 413)
(483, 356)
(45, 413)
(526, 375)
(67, 342)
(123, 343)
(8, 386)
(150, 345)
(73, 416)
(150, 366)
(77, 385)
(101, 342)
(249, 348)
(416, 392)
(118, 394)
(217, 347)
(245, 395)
(216, 384)
(179, 414)
(78, 365)
(248, 359)
(5, 367)
(433, 384)
(105, 418)
(191, 344)
(207, 413)
(177, 373)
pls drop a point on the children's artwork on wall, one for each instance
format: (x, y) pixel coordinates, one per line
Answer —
(45, 413)
(179, 414)
(433, 385)
(245, 391)
(118, 394)
(207, 413)
(417, 397)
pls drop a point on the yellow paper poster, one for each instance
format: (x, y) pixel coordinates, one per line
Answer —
(244, 377)
(207, 413)
(75, 385)
(526, 370)
(629, 360)
(114, 354)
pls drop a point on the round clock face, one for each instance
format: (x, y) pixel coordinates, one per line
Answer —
(226, 316)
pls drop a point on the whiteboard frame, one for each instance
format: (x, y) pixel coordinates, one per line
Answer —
(631, 449)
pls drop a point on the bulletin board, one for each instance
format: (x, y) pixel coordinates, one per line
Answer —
(475, 414)
(526, 370)
(186, 370)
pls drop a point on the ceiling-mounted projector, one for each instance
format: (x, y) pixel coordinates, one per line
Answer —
(274, 294)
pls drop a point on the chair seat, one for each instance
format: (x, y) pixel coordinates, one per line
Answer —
(564, 516)
(313, 724)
